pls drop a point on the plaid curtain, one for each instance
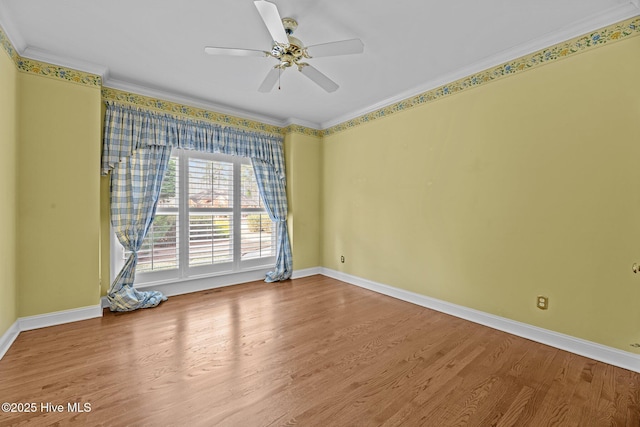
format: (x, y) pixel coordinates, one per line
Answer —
(135, 186)
(136, 149)
(273, 193)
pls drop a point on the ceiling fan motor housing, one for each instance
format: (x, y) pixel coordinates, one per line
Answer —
(291, 54)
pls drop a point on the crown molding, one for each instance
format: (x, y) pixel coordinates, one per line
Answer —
(290, 125)
(292, 121)
(7, 46)
(187, 109)
(172, 97)
(161, 101)
(11, 31)
(40, 55)
(303, 130)
(46, 69)
(580, 28)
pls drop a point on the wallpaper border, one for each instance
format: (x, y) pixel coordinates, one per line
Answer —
(110, 94)
(607, 35)
(48, 70)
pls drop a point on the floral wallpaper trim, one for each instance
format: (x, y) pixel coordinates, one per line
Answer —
(613, 33)
(303, 130)
(62, 73)
(8, 47)
(109, 94)
(48, 70)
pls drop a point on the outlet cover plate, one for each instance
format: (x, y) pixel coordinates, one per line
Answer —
(542, 302)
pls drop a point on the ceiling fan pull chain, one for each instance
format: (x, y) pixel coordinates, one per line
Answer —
(279, 74)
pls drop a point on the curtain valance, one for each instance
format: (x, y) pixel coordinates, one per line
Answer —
(129, 128)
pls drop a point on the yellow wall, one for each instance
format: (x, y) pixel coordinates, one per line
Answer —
(303, 158)
(8, 195)
(488, 198)
(59, 187)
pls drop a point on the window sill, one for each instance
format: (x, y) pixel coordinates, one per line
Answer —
(171, 287)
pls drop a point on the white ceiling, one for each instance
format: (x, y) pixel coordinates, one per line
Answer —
(155, 47)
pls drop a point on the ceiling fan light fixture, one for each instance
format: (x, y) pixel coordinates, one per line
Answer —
(289, 25)
(277, 50)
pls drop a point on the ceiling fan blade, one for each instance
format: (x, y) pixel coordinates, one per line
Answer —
(271, 17)
(344, 47)
(234, 52)
(320, 79)
(270, 80)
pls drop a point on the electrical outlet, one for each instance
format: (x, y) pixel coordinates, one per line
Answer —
(342, 259)
(542, 302)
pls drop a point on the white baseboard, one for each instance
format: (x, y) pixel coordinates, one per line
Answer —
(45, 320)
(299, 274)
(173, 288)
(59, 317)
(207, 283)
(8, 338)
(575, 345)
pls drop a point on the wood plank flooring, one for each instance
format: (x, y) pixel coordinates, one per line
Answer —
(308, 352)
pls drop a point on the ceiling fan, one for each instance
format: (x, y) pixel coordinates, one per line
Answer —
(290, 51)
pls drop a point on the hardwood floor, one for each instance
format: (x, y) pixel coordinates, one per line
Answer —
(309, 352)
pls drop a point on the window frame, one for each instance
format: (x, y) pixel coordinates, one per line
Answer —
(184, 272)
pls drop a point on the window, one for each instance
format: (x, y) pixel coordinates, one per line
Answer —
(210, 220)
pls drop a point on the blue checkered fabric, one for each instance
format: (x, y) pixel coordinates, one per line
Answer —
(274, 195)
(136, 149)
(135, 186)
(128, 128)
